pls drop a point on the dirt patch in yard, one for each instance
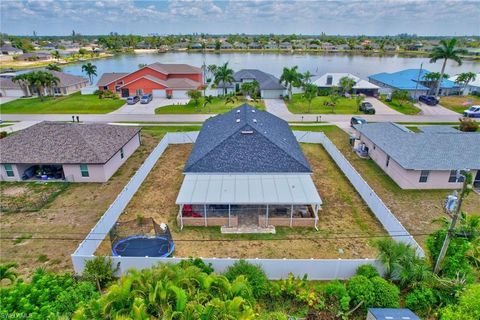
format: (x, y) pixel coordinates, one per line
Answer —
(48, 236)
(346, 226)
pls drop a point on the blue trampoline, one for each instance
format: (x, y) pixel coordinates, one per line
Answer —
(143, 246)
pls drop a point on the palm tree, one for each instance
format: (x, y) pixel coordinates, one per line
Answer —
(465, 78)
(346, 84)
(230, 98)
(225, 75)
(56, 55)
(53, 67)
(358, 101)
(208, 100)
(246, 88)
(50, 81)
(290, 77)
(23, 81)
(212, 68)
(90, 70)
(254, 89)
(306, 78)
(447, 50)
(6, 272)
(310, 92)
(334, 96)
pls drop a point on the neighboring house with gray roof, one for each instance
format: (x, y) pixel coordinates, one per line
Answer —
(66, 151)
(270, 86)
(425, 160)
(247, 168)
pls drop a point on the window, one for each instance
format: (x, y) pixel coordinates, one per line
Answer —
(57, 90)
(9, 170)
(105, 87)
(117, 88)
(388, 161)
(454, 177)
(424, 176)
(84, 170)
(121, 153)
(374, 147)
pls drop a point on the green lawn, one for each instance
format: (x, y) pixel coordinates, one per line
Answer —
(405, 107)
(455, 103)
(217, 106)
(299, 104)
(72, 104)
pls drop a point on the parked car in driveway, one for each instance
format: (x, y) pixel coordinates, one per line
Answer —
(133, 99)
(429, 100)
(357, 120)
(146, 98)
(367, 107)
(472, 112)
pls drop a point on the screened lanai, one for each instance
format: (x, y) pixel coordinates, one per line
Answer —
(232, 200)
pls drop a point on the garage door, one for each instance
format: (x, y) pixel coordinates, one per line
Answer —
(179, 94)
(12, 93)
(159, 93)
(272, 94)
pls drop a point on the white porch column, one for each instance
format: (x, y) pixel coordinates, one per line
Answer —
(315, 211)
(205, 214)
(181, 216)
(291, 216)
(229, 212)
(266, 217)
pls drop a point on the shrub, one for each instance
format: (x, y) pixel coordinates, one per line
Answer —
(100, 271)
(467, 307)
(337, 296)
(3, 134)
(468, 125)
(254, 274)
(323, 92)
(197, 262)
(368, 271)
(387, 295)
(420, 300)
(360, 288)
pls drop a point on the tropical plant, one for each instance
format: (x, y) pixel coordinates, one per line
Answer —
(253, 273)
(346, 84)
(212, 69)
(90, 70)
(142, 65)
(447, 50)
(53, 67)
(56, 55)
(230, 98)
(100, 271)
(47, 296)
(310, 92)
(208, 100)
(24, 82)
(465, 78)
(421, 300)
(386, 294)
(401, 96)
(225, 75)
(467, 307)
(50, 81)
(334, 97)
(195, 95)
(291, 78)
(468, 125)
(172, 292)
(7, 272)
(306, 78)
(38, 80)
(358, 100)
(367, 270)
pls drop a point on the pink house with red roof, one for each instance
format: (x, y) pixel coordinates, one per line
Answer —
(161, 80)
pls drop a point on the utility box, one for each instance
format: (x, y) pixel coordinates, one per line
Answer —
(391, 314)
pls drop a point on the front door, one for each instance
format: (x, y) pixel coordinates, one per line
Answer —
(125, 93)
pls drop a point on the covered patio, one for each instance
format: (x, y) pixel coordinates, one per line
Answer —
(255, 200)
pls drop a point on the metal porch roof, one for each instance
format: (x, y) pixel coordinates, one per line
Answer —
(248, 189)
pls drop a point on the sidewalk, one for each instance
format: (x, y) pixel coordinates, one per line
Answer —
(435, 110)
(148, 108)
(18, 126)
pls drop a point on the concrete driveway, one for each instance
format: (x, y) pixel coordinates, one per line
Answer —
(277, 107)
(148, 108)
(437, 110)
(380, 107)
(7, 99)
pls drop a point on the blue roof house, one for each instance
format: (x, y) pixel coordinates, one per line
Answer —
(247, 169)
(413, 81)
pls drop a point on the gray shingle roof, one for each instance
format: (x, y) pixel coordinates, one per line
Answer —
(425, 151)
(267, 81)
(258, 143)
(109, 77)
(66, 79)
(62, 143)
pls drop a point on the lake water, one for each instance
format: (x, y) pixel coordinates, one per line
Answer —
(362, 66)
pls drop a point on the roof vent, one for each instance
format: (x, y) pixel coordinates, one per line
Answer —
(254, 120)
(247, 131)
(253, 110)
(238, 120)
(238, 111)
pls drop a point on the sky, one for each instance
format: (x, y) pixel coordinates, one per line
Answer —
(343, 17)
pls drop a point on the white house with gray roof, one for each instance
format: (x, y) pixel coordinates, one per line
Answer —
(247, 170)
(54, 151)
(270, 86)
(426, 160)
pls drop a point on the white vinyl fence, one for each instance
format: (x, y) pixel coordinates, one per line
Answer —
(315, 269)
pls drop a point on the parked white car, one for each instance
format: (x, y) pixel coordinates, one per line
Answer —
(472, 112)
